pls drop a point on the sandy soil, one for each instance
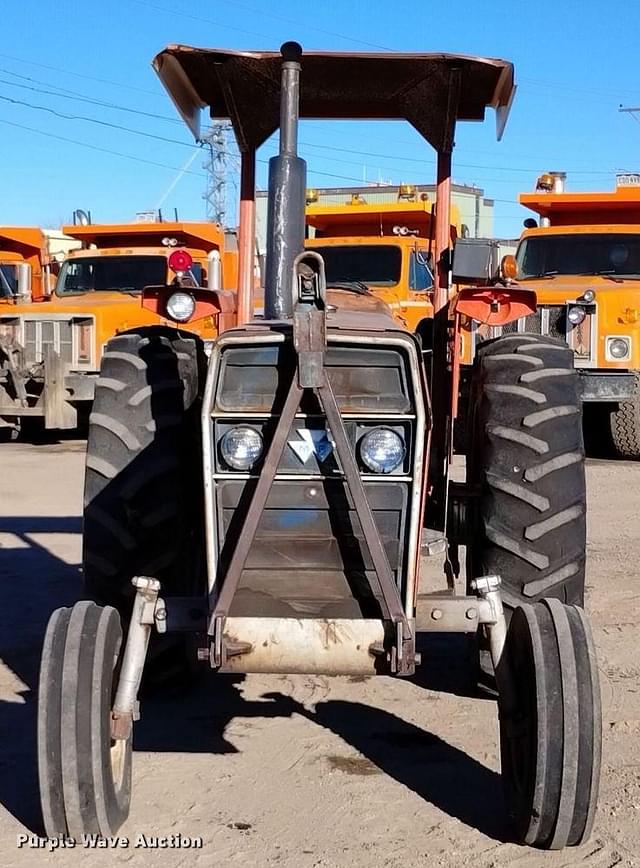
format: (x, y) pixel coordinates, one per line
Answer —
(298, 771)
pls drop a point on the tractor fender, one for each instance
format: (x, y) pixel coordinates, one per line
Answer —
(494, 305)
(214, 303)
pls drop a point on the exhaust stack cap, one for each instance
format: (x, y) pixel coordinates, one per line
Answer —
(291, 51)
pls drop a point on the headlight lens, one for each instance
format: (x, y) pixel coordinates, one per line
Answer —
(619, 348)
(180, 306)
(382, 450)
(588, 296)
(576, 314)
(241, 447)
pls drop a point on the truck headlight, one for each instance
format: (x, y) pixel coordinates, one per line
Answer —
(180, 306)
(241, 447)
(576, 314)
(618, 349)
(382, 450)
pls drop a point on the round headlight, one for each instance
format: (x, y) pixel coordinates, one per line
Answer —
(180, 306)
(618, 348)
(588, 295)
(382, 450)
(576, 314)
(241, 447)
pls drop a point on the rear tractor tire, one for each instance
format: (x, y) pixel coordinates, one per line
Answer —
(143, 484)
(550, 725)
(526, 465)
(625, 425)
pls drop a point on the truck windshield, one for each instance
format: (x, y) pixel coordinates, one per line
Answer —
(111, 273)
(597, 253)
(373, 264)
(8, 280)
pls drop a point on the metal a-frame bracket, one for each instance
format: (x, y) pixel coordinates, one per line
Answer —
(310, 341)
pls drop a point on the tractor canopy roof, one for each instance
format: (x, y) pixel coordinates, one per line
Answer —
(430, 91)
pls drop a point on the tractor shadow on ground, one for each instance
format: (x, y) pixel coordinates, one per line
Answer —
(195, 721)
(435, 770)
(33, 582)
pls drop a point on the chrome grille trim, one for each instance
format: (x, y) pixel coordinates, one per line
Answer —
(548, 320)
(60, 332)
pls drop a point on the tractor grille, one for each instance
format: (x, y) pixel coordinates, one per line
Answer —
(40, 334)
(308, 558)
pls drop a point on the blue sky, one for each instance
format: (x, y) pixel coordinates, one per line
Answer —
(576, 62)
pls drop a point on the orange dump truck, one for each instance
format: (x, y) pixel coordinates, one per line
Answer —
(28, 263)
(581, 257)
(50, 353)
(387, 247)
(583, 261)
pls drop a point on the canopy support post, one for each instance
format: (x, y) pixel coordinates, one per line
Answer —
(246, 235)
(443, 231)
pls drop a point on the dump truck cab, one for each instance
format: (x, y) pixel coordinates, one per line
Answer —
(27, 266)
(51, 353)
(583, 262)
(388, 247)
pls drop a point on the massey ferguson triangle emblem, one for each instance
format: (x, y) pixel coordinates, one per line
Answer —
(313, 441)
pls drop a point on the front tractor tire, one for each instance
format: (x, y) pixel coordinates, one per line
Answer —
(143, 491)
(550, 725)
(526, 467)
(84, 774)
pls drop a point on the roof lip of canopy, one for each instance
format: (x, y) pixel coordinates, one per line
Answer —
(465, 84)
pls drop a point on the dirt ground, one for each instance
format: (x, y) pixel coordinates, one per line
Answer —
(299, 771)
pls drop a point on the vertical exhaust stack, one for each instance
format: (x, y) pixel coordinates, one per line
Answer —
(287, 194)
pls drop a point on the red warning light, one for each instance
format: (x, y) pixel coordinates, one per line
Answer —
(180, 260)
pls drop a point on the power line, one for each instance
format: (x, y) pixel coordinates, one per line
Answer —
(305, 24)
(200, 19)
(101, 123)
(79, 74)
(90, 100)
(333, 148)
(94, 147)
(528, 169)
(394, 157)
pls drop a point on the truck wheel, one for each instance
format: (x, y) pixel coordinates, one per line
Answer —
(550, 725)
(143, 490)
(625, 424)
(85, 776)
(526, 465)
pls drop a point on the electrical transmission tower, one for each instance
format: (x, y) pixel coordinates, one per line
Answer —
(216, 143)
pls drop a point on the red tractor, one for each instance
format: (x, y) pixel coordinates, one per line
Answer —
(276, 501)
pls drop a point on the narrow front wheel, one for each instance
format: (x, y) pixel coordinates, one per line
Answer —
(550, 724)
(85, 775)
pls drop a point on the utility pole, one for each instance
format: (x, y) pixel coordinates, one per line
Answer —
(215, 141)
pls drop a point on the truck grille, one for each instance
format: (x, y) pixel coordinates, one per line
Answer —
(40, 334)
(551, 320)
